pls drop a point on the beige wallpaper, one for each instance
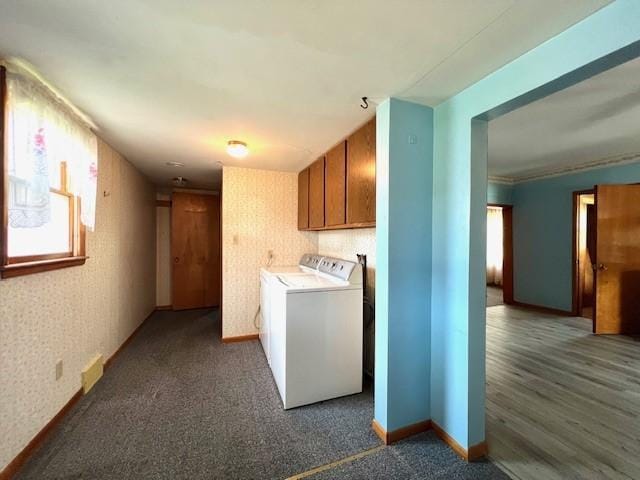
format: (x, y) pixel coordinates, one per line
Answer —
(346, 244)
(74, 313)
(259, 213)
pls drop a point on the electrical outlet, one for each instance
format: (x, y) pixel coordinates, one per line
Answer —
(413, 139)
(58, 369)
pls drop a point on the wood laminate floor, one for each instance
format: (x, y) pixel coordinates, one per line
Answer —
(494, 296)
(561, 402)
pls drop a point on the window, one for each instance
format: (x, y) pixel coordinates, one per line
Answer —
(49, 164)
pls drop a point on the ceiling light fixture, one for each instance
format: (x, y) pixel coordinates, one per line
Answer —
(175, 164)
(237, 149)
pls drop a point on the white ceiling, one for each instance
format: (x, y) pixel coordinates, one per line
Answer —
(595, 120)
(167, 80)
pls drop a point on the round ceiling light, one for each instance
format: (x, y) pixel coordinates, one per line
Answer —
(175, 164)
(237, 149)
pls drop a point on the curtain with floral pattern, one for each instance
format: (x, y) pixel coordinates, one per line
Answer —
(42, 133)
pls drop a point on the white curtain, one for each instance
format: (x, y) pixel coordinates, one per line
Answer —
(494, 246)
(42, 133)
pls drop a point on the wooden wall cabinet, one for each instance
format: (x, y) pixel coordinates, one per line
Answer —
(361, 175)
(316, 194)
(336, 185)
(339, 189)
(303, 199)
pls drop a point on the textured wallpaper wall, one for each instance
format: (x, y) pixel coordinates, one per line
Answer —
(75, 313)
(346, 244)
(259, 213)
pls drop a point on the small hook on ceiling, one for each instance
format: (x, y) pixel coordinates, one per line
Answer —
(365, 104)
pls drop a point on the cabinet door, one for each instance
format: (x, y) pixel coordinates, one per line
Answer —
(316, 194)
(336, 185)
(361, 175)
(303, 199)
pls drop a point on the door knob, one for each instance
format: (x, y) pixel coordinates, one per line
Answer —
(602, 267)
(176, 260)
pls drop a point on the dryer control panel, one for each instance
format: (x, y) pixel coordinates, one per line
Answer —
(336, 267)
(311, 260)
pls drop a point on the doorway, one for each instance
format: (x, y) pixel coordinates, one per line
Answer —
(606, 287)
(617, 272)
(584, 252)
(195, 250)
(536, 356)
(499, 254)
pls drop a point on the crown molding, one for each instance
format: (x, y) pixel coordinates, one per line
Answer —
(501, 180)
(611, 161)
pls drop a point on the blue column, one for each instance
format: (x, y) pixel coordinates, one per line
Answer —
(404, 169)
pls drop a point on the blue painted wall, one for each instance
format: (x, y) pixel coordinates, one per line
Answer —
(543, 232)
(460, 196)
(404, 165)
(499, 193)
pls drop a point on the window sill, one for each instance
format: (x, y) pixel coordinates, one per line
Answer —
(28, 268)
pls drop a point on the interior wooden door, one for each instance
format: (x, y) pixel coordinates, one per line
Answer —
(617, 280)
(507, 262)
(195, 250)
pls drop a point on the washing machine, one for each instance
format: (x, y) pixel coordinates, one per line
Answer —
(315, 332)
(308, 263)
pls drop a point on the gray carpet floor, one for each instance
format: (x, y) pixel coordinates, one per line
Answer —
(179, 404)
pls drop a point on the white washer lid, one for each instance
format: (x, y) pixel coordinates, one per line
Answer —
(277, 269)
(312, 282)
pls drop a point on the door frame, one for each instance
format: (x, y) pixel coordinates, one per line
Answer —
(507, 252)
(575, 271)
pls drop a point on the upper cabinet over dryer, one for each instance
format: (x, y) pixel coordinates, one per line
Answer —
(339, 189)
(361, 175)
(336, 185)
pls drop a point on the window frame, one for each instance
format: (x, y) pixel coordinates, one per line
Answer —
(25, 265)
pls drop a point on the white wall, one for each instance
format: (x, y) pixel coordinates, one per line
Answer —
(74, 313)
(259, 213)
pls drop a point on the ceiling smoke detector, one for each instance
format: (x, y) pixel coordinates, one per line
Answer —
(179, 182)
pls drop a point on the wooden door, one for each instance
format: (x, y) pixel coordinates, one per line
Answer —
(195, 250)
(361, 175)
(303, 199)
(617, 280)
(336, 185)
(316, 194)
(507, 262)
